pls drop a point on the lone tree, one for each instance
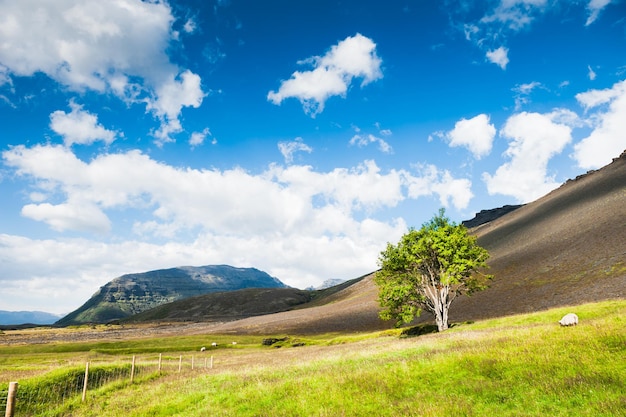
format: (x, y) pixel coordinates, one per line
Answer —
(428, 269)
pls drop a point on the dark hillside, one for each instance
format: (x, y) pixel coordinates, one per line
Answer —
(227, 306)
(238, 304)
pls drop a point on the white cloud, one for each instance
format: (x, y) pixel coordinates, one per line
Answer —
(333, 73)
(500, 20)
(499, 57)
(607, 140)
(198, 138)
(595, 7)
(591, 74)
(115, 47)
(364, 140)
(231, 201)
(5, 78)
(475, 134)
(533, 140)
(431, 181)
(171, 97)
(515, 14)
(73, 215)
(221, 201)
(287, 149)
(190, 26)
(79, 126)
(522, 93)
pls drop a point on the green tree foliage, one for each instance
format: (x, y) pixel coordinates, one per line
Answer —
(428, 269)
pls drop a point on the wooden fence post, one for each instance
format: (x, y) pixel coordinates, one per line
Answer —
(160, 357)
(180, 364)
(10, 410)
(192, 362)
(85, 383)
(132, 370)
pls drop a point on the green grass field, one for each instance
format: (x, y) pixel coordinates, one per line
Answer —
(525, 365)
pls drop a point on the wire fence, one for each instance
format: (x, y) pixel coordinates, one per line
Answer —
(3, 401)
(38, 396)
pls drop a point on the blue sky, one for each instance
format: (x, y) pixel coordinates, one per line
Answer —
(295, 137)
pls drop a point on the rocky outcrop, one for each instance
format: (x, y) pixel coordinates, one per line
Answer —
(486, 216)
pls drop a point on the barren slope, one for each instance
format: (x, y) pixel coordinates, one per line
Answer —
(568, 247)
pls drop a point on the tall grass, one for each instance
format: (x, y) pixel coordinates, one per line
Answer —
(523, 365)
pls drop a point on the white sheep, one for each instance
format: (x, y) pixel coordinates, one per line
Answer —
(214, 344)
(234, 343)
(202, 349)
(570, 319)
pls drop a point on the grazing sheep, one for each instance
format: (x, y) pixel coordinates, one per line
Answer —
(214, 344)
(570, 319)
(202, 349)
(234, 343)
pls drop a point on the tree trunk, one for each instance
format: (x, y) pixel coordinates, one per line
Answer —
(439, 303)
(441, 317)
(441, 309)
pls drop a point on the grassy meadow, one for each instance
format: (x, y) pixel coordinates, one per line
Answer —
(524, 365)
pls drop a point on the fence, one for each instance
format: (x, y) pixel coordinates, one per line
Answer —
(37, 395)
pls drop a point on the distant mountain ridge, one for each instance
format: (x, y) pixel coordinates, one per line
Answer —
(327, 284)
(27, 317)
(134, 293)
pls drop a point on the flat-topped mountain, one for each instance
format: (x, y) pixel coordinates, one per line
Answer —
(133, 293)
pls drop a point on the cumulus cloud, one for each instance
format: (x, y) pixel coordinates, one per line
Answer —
(534, 139)
(606, 111)
(198, 138)
(279, 200)
(432, 180)
(475, 134)
(229, 201)
(332, 74)
(117, 48)
(82, 216)
(79, 126)
(499, 56)
(171, 96)
(287, 149)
